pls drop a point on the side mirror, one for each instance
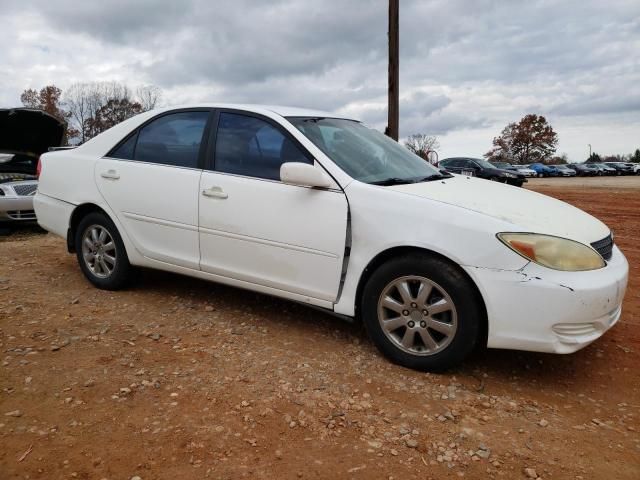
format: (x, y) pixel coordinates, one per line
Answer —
(304, 175)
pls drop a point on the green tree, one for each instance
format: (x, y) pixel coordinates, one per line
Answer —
(636, 156)
(530, 140)
(594, 158)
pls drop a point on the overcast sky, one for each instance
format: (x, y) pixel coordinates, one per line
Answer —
(467, 68)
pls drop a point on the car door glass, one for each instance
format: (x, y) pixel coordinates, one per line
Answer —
(172, 139)
(252, 147)
(125, 150)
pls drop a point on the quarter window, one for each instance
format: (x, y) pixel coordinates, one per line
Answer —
(253, 147)
(172, 139)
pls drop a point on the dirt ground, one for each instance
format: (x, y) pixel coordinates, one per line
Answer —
(179, 378)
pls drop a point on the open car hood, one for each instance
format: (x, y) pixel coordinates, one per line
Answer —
(29, 132)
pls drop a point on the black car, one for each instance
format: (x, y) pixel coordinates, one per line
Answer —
(583, 169)
(621, 168)
(480, 168)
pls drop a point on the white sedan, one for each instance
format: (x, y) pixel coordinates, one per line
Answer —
(320, 209)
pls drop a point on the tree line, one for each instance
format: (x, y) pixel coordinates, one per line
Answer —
(530, 140)
(91, 108)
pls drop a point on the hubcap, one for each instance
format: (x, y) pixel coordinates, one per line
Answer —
(99, 251)
(417, 315)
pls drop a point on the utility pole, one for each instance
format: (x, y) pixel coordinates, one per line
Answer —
(394, 75)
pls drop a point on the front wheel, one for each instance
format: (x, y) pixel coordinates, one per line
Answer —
(101, 253)
(422, 312)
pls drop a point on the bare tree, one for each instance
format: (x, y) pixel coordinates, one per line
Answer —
(90, 103)
(421, 144)
(148, 96)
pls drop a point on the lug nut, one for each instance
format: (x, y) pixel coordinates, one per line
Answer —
(405, 313)
(412, 324)
(414, 305)
(425, 312)
(423, 324)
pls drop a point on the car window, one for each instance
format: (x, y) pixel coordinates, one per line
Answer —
(125, 150)
(253, 147)
(172, 139)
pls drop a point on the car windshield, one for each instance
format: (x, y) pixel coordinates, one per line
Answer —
(501, 164)
(364, 153)
(482, 163)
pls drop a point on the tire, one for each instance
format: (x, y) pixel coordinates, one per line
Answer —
(459, 326)
(107, 274)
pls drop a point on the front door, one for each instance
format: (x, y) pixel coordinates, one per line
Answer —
(256, 229)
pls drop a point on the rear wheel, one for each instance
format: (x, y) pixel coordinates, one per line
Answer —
(101, 253)
(422, 312)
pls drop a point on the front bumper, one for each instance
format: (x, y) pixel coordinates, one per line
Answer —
(544, 310)
(16, 209)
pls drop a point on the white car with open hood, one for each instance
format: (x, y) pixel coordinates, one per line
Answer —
(319, 209)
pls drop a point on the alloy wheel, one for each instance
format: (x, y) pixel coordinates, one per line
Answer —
(417, 315)
(99, 251)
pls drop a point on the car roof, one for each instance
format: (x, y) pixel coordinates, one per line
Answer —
(282, 110)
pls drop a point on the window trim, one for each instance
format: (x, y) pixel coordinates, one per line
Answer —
(204, 141)
(210, 160)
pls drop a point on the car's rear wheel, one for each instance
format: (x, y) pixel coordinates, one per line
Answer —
(422, 312)
(101, 253)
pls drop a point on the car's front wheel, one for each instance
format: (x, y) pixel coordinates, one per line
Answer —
(101, 253)
(422, 312)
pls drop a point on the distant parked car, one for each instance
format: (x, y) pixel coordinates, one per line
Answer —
(635, 167)
(622, 168)
(582, 170)
(565, 171)
(24, 135)
(606, 169)
(522, 169)
(543, 170)
(477, 167)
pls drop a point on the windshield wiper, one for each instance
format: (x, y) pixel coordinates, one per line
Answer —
(434, 176)
(392, 181)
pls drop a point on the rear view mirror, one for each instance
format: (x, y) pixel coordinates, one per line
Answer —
(304, 175)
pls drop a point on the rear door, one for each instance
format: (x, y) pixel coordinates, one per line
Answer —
(256, 229)
(151, 182)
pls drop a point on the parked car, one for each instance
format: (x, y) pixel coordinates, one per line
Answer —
(522, 169)
(622, 168)
(477, 167)
(565, 171)
(317, 208)
(582, 170)
(635, 167)
(606, 169)
(543, 170)
(24, 135)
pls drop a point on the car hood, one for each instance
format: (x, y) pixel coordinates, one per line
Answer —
(28, 131)
(528, 211)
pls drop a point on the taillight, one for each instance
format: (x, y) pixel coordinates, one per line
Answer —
(38, 168)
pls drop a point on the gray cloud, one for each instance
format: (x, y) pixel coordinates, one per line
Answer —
(465, 66)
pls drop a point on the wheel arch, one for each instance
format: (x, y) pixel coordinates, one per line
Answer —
(77, 215)
(396, 252)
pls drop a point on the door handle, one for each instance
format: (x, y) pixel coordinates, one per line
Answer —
(110, 174)
(214, 192)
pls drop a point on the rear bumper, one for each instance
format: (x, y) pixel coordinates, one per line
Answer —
(16, 209)
(544, 310)
(53, 214)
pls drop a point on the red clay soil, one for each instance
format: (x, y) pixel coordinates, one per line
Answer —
(180, 378)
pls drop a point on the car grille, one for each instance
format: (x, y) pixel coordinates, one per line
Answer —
(26, 189)
(604, 247)
(22, 214)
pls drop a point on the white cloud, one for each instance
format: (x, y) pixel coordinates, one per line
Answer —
(467, 68)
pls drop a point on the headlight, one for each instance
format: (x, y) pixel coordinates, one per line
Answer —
(553, 252)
